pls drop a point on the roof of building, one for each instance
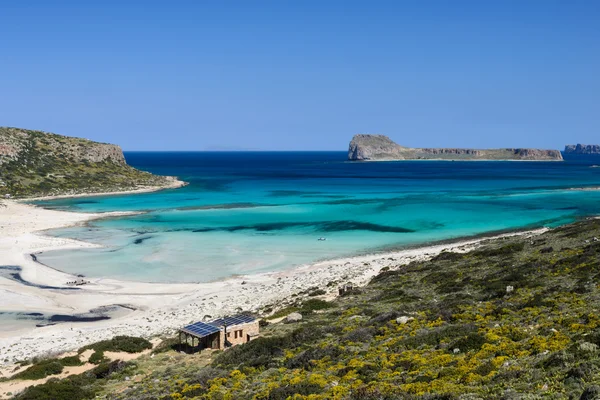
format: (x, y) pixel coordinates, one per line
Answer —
(203, 329)
(200, 329)
(231, 321)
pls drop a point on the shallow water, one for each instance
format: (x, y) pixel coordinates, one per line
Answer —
(254, 212)
(11, 321)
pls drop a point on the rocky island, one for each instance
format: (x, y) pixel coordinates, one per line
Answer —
(364, 147)
(36, 163)
(582, 149)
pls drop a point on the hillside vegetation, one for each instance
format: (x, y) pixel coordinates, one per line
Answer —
(35, 163)
(515, 319)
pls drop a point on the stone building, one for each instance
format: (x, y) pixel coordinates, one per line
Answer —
(220, 333)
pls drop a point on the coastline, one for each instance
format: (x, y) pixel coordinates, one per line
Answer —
(176, 183)
(156, 308)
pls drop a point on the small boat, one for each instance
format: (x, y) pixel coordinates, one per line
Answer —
(321, 239)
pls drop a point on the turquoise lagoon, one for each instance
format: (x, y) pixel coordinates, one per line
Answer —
(252, 212)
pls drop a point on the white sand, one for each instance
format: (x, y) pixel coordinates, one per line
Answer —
(161, 308)
(173, 184)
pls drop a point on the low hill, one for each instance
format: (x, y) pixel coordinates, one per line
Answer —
(514, 319)
(382, 148)
(36, 163)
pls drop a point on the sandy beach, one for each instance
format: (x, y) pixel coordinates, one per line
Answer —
(155, 308)
(174, 184)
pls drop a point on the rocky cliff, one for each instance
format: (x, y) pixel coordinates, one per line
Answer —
(35, 163)
(582, 149)
(14, 142)
(379, 147)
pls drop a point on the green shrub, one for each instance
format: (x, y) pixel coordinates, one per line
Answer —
(207, 374)
(287, 392)
(284, 311)
(72, 388)
(97, 357)
(591, 393)
(315, 305)
(434, 337)
(72, 361)
(448, 256)
(360, 335)
(259, 352)
(395, 293)
(538, 300)
(41, 370)
(472, 341)
(385, 276)
(505, 250)
(304, 359)
(105, 370)
(580, 371)
(128, 344)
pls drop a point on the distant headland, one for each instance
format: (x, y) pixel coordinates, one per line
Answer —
(36, 163)
(364, 147)
(582, 149)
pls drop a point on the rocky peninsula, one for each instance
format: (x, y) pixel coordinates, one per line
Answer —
(582, 149)
(37, 163)
(365, 147)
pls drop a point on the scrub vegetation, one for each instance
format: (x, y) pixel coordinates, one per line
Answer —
(36, 163)
(516, 318)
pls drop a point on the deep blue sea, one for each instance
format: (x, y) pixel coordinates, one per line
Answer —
(250, 212)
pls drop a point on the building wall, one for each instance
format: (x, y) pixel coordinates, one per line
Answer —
(238, 334)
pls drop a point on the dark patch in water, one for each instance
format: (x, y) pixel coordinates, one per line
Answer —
(141, 240)
(97, 314)
(326, 226)
(220, 206)
(292, 193)
(17, 278)
(340, 226)
(353, 201)
(212, 185)
(325, 196)
(77, 318)
(9, 268)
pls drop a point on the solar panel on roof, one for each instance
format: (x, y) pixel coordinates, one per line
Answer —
(200, 329)
(234, 320)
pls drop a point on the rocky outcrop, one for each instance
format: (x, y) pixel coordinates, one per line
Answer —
(369, 147)
(582, 149)
(380, 148)
(13, 141)
(34, 163)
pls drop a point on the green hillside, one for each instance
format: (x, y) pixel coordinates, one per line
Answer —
(35, 163)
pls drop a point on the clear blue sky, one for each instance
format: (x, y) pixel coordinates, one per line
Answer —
(303, 75)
